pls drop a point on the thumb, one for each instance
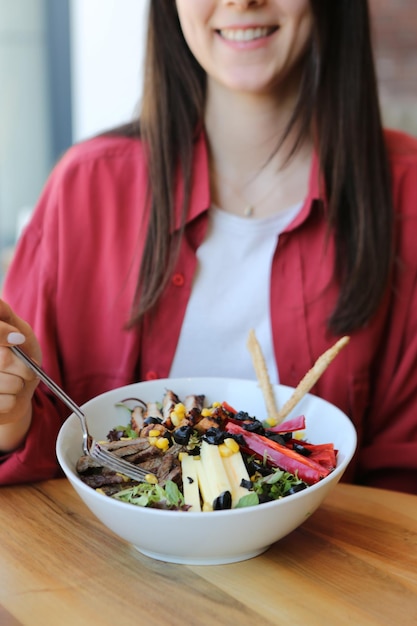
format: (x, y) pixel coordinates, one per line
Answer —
(14, 330)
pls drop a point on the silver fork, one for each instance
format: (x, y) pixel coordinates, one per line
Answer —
(90, 447)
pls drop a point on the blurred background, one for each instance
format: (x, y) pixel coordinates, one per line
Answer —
(71, 68)
(68, 69)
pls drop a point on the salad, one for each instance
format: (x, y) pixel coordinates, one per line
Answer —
(207, 458)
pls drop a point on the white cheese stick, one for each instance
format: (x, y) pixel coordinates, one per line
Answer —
(206, 488)
(213, 465)
(236, 472)
(191, 489)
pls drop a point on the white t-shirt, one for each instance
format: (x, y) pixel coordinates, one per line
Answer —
(230, 295)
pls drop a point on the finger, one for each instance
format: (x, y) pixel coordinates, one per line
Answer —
(15, 391)
(15, 331)
(10, 384)
(11, 388)
(12, 328)
(10, 364)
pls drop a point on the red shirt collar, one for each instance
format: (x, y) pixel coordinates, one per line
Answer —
(201, 197)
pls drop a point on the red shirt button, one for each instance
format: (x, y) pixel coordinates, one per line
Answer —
(178, 280)
(151, 375)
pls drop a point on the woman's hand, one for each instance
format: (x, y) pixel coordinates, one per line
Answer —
(17, 382)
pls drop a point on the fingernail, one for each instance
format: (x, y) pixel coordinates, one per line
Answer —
(16, 338)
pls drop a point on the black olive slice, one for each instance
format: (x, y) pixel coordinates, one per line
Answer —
(214, 436)
(223, 501)
(298, 447)
(182, 435)
(296, 489)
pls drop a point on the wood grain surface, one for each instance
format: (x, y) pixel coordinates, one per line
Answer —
(353, 562)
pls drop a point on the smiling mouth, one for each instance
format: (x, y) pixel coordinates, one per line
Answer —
(246, 34)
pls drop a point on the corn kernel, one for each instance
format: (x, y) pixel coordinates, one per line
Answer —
(270, 421)
(299, 434)
(225, 451)
(151, 479)
(215, 405)
(176, 418)
(206, 412)
(154, 433)
(153, 440)
(232, 444)
(162, 443)
(180, 409)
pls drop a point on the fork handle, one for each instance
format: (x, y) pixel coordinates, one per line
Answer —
(60, 393)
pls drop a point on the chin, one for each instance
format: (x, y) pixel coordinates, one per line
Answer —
(248, 86)
(251, 81)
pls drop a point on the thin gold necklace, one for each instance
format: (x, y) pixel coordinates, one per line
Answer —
(249, 208)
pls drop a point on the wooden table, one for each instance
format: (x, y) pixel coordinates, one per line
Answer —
(353, 562)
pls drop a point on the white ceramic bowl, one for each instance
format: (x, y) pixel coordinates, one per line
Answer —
(213, 537)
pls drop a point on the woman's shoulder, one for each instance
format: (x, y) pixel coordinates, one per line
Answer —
(103, 167)
(102, 150)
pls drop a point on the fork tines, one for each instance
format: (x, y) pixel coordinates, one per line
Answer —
(106, 458)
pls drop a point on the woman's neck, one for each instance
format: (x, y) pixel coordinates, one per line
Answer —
(243, 130)
(247, 170)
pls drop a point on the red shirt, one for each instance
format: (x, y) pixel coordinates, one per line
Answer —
(73, 279)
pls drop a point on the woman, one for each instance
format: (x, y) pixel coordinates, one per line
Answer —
(256, 190)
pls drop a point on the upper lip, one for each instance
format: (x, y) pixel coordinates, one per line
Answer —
(246, 26)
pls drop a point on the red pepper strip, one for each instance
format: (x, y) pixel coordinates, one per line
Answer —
(326, 458)
(289, 426)
(282, 457)
(313, 447)
(228, 408)
(323, 453)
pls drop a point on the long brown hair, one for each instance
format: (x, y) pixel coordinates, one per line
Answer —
(338, 95)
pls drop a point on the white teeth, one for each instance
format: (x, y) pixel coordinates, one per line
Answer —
(244, 34)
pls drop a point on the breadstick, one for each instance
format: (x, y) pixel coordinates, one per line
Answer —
(262, 375)
(311, 377)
